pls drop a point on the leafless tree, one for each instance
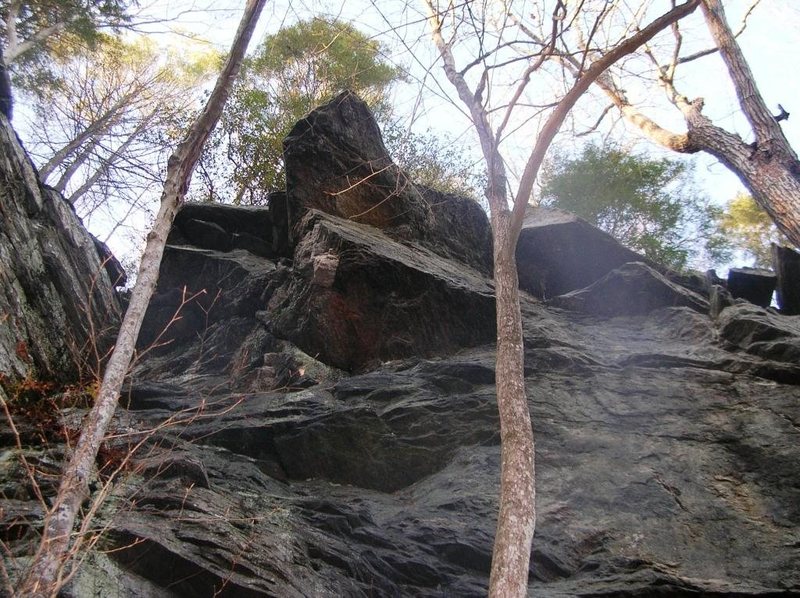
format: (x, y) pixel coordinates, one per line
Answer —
(46, 571)
(493, 86)
(103, 126)
(768, 166)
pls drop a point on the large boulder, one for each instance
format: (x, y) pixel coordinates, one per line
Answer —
(632, 289)
(786, 262)
(58, 306)
(224, 228)
(666, 466)
(355, 297)
(755, 285)
(559, 252)
(336, 163)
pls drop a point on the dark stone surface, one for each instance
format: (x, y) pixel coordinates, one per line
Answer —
(786, 262)
(762, 332)
(559, 252)
(57, 302)
(632, 289)
(752, 284)
(667, 440)
(336, 163)
(224, 228)
(666, 466)
(460, 229)
(356, 298)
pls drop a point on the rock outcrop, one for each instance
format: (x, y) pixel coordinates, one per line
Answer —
(325, 424)
(559, 252)
(58, 307)
(630, 290)
(336, 163)
(752, 284)
(787, 272)
(355, 298)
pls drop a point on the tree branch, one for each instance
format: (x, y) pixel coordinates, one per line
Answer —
(765, 127)
(565, 105)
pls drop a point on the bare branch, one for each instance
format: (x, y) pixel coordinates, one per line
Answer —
(591, 75)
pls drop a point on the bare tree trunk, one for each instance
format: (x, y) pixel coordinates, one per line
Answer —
(70, 170)
(774, 171)
(45, 575)
(104, 167)
(516, 518)
(96, 129)
(517, 513)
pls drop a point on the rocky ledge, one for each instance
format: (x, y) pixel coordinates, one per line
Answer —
(319, 419)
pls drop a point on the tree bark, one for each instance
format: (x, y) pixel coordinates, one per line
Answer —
(516, 519)
(768, 167)
(772, 171)
(45, 574)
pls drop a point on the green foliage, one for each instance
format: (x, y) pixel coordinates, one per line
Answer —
(648, 205)
(46, 28)
(432, 161)
(751, 229)
(291, 73)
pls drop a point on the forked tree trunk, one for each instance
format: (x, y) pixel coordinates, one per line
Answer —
(768, 167)
(517, 511)
(46, 572)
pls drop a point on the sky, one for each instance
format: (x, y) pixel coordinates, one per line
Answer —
(769, 44)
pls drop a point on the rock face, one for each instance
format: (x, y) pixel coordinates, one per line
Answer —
(668, 448)
(56, 297)
(559, 252)
(787, 271)
(632, 289)
(336, 163)
(753, 284)
(356, 298)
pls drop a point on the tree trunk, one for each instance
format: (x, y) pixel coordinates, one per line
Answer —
(768, 167)
(772, 175)
(771, 171)
(517, 513)
(46, 572)
(516, 519)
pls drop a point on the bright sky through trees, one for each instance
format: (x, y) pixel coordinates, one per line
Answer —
(769, 42)
(772, 33)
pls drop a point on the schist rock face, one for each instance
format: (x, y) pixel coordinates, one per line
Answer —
(330, 373)
(57, 298)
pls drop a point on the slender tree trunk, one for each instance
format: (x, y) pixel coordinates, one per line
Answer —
(516, 520)
(44, 577)
(517, 513)
(70, 170)
(104, 167)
